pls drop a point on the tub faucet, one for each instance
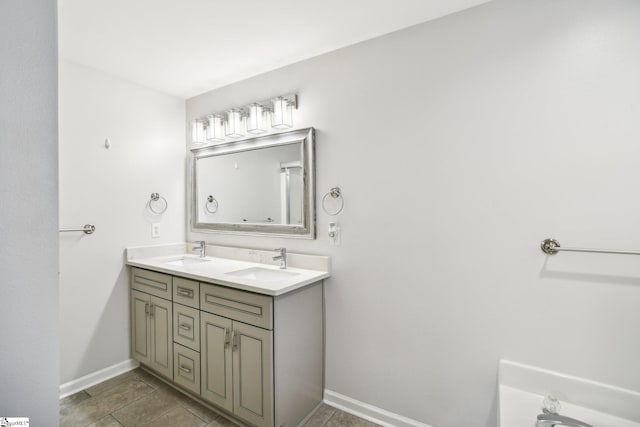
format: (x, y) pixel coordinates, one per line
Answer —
(282, 257)
(550, 420)
(202, 247)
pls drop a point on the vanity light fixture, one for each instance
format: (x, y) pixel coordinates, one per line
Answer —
(198, 131)
(270, 115)
(282, 116)
(233, 125)
(215, 128)
(256, 119)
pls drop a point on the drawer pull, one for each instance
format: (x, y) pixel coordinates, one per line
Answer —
(153, 310)
(185, 370)
(185, 327)
(146, 308)
(185, 292)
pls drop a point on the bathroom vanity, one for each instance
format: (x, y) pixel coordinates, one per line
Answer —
(232, 329)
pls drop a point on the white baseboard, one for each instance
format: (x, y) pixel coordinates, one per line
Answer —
(97, 377)
(369, 412)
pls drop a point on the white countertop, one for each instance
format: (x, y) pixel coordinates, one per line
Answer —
(216, 269)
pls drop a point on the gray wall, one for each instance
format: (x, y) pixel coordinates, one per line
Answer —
(459, 145)
(145, 128)
(29, 371)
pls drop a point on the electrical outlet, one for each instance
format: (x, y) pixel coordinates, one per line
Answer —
(155, 230)
(334, 233)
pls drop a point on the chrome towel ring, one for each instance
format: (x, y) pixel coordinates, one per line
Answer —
(335, 193)
(212, 204)
(157, 204)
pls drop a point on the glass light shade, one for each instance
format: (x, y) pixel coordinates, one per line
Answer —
(198, 132)
(233, 125)
(256, 121)
(282, 116)
(215, 130)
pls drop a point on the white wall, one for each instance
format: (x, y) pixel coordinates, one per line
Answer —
(29, 214)
(459, 145)
(110, 188)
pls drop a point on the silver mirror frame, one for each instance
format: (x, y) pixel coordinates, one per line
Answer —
(308, 228)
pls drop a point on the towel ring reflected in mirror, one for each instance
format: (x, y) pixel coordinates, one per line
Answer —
(212, 205)
(335, 193)
(157, 204)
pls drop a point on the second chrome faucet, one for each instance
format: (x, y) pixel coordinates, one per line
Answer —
(202, 247)
(282, 257)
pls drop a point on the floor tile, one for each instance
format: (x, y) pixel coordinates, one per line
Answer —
(205, 414)
(178, 416)
(107, 421)
(138, 398)
(152, 380)
(95, 408)
(343, 419)
(147, 408)
(74, 399)
(221, 422)
(321, 416)
(110, 383)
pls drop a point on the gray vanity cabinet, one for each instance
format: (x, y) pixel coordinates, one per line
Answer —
(258, 357)
(151, 335)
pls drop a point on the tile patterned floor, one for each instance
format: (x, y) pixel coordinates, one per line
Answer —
(137, 398)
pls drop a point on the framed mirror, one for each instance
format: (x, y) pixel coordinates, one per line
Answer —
(263, 185)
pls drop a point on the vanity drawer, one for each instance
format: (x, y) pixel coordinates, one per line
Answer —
(186, 292)
(153, 283)
(186, 368)
(246, 307)
(186, 326)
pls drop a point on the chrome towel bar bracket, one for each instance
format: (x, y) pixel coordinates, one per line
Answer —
(552, 247)
(87, 229)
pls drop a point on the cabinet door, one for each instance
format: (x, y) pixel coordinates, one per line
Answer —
(140, 337)
(161, 336)
(215, 347)
(253, 374)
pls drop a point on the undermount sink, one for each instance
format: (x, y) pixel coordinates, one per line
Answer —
(263, 274)
(186, 261)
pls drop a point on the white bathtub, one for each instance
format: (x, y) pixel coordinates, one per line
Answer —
(521, 389)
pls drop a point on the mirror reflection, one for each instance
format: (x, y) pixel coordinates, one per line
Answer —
(267, 186)
(261, 185)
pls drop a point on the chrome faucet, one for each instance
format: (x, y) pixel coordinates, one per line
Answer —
(549, 420)
(282, 257)
(202, 247)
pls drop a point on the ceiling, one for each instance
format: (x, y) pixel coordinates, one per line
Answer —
(188, 47)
